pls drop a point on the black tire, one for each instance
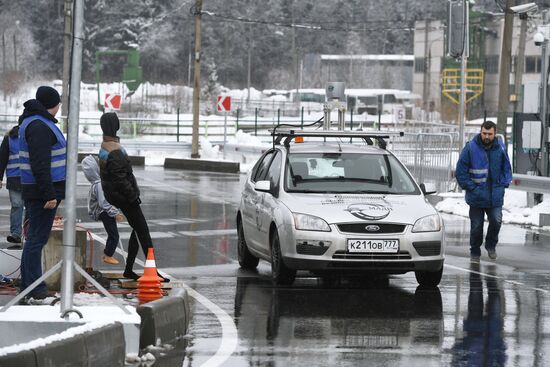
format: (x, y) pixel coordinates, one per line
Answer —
(280, 274)
(246, 259)
(429, 279)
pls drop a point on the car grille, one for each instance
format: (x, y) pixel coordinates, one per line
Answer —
(362, 228)
(342, 255)
(427, 248)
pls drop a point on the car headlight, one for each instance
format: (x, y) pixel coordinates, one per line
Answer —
(306, 222)
(431, 223)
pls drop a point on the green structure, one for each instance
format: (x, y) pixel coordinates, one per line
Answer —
(477, 59)
(132, 74)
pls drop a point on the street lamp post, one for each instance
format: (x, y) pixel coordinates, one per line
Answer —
(463, 67)
(541, 39)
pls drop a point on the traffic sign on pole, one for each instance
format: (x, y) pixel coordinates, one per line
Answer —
(112, 101)
(224, 103)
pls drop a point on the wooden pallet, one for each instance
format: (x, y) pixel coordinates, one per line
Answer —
(132, 284)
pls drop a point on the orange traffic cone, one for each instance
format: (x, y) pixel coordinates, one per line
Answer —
(149, 283)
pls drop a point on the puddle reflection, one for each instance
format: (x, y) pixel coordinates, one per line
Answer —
(483, 341)
(341, 324)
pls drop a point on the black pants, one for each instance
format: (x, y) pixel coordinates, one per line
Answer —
(112, 233)
(140, 230)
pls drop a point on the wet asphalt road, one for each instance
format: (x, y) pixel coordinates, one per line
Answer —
(492, 314)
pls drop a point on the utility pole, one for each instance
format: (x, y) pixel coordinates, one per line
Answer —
(67, 45)
(504, 77)
(518, 74)
(3, 52)
(543, 103)
(426, 66)
(4, 65)
(249, 66)
(463, 68)
(14, 52)
(197, 80)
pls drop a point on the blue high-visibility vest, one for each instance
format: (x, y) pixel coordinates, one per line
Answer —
(12, 169)
(58, 157)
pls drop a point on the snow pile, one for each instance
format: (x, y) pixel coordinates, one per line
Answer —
(242, 138)
(132, 358)
(207, 150)
(514, 211)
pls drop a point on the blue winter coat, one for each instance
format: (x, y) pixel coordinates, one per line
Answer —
(484, 174)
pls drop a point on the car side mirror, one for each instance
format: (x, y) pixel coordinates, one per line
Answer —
(263, 186)
(428, 189)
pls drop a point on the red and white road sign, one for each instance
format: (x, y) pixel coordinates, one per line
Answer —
(112, 101)
(224, 103)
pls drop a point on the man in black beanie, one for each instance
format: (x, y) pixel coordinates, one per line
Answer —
(42, 154)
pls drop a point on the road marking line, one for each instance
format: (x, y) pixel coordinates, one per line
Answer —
(229, 329)
(514, 282)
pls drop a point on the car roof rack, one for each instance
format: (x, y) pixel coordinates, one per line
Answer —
(367, 136)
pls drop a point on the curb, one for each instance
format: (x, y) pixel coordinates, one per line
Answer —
(165, 319)
(202, 165)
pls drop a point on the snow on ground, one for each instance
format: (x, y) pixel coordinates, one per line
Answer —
(514, 211)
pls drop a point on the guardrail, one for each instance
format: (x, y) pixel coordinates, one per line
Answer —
(537, 184)
(138, 145)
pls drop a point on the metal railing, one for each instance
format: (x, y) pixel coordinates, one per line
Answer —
(530, 183)
(429, 157)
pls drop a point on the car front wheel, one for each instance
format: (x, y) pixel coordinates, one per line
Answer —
(280, 274)
(246, 259)
(429, 279)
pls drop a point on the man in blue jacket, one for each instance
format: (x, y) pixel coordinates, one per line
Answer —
(42, 159)
(483, 171)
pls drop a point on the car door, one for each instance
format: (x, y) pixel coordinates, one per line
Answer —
(269, 203)
(251, 200)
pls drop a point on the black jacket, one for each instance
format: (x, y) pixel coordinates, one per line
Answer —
(40, 139)
(12, 183)
(117, 179)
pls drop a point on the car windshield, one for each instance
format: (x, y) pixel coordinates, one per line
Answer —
(352, 173)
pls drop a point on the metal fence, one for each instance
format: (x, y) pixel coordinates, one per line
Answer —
(429, 156)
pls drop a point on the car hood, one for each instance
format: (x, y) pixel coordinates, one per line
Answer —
(344, 208)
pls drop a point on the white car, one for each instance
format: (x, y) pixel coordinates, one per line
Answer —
(332, 207)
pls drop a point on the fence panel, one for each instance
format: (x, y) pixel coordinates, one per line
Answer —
(429, 157)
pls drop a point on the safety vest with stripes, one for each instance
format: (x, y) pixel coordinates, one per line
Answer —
(58, 157)
(479, 164)
(12, 169)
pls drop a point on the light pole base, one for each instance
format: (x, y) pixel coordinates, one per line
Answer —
(195, 155)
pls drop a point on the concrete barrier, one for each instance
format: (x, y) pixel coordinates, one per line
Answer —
(103, 346)
(53, 253)
(23, 358)
(67, 353)
(202, 165)
(106, 346)
(165, 319)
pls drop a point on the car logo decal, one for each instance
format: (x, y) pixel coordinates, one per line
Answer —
(372, 228)
(369, 211)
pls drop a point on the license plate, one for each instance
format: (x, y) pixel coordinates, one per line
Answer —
(380, 246)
